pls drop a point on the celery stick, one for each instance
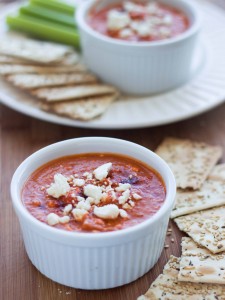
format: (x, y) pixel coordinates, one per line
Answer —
(55, 5)
(44, 29)
(47, 14)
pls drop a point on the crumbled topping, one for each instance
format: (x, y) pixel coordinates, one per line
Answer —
(80, 198)
(93, 192)
(145, 20)
(117, 20)
(125, 196)
(84, 205)
(123, 213)
(67, 209)
(131, 203)
(60, 186)
(123, 187)
(136, 196)
(52, 219)
(102, 172)
(109, 211)
(64, 220)
(79, 182)
(78, 214)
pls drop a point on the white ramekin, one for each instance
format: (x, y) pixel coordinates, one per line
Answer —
(140, 67)
(93, 260)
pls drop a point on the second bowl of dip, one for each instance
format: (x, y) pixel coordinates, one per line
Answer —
(139, 67)
(81, 258)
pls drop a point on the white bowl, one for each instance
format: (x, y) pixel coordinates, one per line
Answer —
(93, 260)
(140, 67)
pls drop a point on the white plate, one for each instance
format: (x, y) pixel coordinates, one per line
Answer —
(205, 91)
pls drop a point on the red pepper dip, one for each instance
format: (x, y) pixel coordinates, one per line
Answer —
(139, 21)
(93, 192)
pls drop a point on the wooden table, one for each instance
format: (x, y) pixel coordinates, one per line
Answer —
(19, 137)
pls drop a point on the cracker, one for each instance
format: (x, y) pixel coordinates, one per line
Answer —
(167, 287)
(73, 92)
(207, 228)
(31, 81)
(198, 264)
(33, 50)
(191, 162)
(68, 60)
(218, 172)
(81, 109)
(4, 59)
(7, 69)
(211, 194)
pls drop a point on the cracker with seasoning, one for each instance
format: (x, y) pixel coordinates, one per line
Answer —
(7, 69)
(198, 264)
(167, 287)
(73, 92)
(207, 228)
(211, 194)
(33, 50)
(191, 162)
(68, 59)
(84, 109)
(33, 81)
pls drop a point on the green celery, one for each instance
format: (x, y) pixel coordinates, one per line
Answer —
(47, 14)
(44, 29)
(55, 5)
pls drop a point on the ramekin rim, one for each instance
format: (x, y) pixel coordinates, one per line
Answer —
(18, 205)
(81, 22)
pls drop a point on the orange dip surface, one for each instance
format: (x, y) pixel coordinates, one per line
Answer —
(139, 21)
(129, 186)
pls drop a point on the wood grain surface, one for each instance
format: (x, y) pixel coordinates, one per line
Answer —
(20, 136)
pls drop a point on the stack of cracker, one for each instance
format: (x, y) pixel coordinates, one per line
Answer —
(199, 211)
(54, 76)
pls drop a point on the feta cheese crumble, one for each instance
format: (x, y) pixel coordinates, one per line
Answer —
(99, 189)
(123, 213)
(67, 209)
(123, 187)
(78, 214)
(117, 20)
(79, 182)
(64, 220)
(84, 205)
(60, 186)
(102, 172)
(136, 196)
(109, 211)
(94, 192)
(52, 219)
(125, 196)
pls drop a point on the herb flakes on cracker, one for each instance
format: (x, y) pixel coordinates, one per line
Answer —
(198, 264)
(191, 162)
(167, 287)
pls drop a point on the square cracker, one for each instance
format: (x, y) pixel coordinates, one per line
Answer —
(84, 109)
(68, 60)
(191, 162)
(32, 50)
(207, 228)
(64, 93)
(167, 287)
(198, 264)
(31, 81)
(7, 69)
(211, 194)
